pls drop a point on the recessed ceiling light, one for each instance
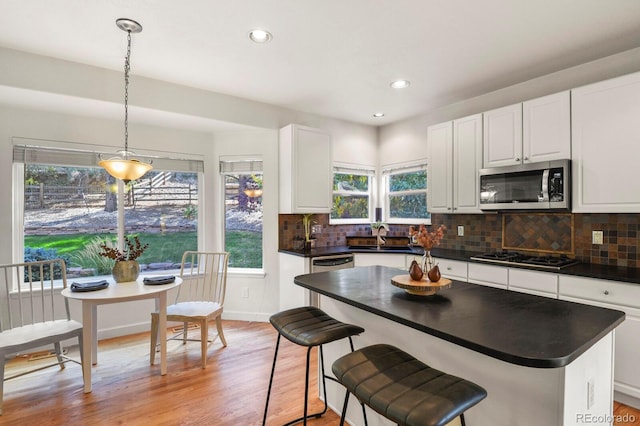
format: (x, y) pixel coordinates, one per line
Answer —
(378, 114)
(260, 36)
(400, 84)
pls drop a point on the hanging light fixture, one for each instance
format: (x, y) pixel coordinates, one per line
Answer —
(124, 166)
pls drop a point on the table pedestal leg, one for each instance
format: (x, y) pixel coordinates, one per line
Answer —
(162, 324)
(88, 337)
(94, 333)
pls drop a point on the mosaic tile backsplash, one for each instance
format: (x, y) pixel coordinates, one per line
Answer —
(547, 233)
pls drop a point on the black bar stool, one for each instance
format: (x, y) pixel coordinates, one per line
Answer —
(309, 326)
(403, 389)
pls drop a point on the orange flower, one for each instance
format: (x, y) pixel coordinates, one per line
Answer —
(427, 239)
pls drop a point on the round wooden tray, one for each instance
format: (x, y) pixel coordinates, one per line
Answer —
(424, 287)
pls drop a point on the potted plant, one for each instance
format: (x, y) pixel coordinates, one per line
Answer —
(307, 221)
(126, 267)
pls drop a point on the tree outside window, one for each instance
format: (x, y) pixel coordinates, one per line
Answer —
(69, 211)
(243, 188)
(407, 195)
(351, 196)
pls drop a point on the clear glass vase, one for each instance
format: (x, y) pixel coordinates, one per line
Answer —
(427, 262)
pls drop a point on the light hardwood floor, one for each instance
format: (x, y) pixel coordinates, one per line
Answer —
(128, 391)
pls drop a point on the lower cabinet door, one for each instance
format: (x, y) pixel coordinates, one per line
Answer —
(626, 371)
(489, 275)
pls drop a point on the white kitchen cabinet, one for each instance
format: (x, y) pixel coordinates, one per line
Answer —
(606, 146)
(291, 294)
(306, 173)
(624, 297)
(489, 275)
(533, 282)
(535, 130)
(546, 128)
(440, 168)
(455, 156)
(392, 260)
(503, 136)
(452, 269)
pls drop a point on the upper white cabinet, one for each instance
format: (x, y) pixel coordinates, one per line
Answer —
(467, 160)
(440, 168)
(606, 146)
(503, 136)
(305, 170)
(455, 155)
(535, 130)
(546, 128)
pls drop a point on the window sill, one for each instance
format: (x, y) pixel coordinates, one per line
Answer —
(409, 221)
(246, 273)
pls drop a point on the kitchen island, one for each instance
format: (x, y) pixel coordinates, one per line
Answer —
(542, 361)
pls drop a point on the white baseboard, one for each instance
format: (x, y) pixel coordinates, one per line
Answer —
(625, 399)
(246, 316)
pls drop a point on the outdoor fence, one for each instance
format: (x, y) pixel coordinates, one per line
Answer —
(51, 196)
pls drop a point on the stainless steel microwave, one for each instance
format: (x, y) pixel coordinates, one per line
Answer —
(533, 186)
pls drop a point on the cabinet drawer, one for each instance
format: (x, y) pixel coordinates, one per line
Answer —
(611, 292)
(384, 259)
(495, 276)
(533, 280)
(454, 269)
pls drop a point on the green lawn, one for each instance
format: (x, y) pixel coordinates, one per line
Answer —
(166, 247)
(245, 247)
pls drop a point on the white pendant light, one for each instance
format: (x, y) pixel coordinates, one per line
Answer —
(125, 167)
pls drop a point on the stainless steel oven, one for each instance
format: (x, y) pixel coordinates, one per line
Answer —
(534, 186)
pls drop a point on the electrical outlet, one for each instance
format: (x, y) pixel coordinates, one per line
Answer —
(591, 398)
(460, 231)
(316, 229)
(597, 237)
(245, 292)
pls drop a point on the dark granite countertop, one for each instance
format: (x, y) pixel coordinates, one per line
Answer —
(613, 273)
(518, 328)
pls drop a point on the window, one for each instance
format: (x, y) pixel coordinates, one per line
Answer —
(242, 188)
(406, 194)
(70, 206)
(352, 195)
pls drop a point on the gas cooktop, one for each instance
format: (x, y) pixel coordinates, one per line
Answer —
(549, 262)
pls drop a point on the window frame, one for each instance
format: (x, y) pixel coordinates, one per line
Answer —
(397, 169)
(341, 168)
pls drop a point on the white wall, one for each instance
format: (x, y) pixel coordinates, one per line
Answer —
(403, 141)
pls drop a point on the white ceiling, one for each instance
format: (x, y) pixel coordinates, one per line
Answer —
(331, 57)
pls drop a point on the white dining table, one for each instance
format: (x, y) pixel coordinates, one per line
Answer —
(117, 293)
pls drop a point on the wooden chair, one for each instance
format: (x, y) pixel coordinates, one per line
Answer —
(200, 299)
(31, 315)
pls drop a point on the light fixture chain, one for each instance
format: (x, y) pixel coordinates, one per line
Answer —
(127, 67)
